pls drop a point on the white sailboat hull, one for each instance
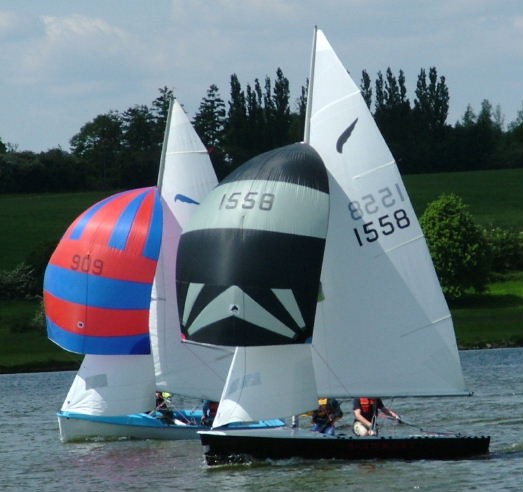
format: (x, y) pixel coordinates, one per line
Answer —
(80, 427)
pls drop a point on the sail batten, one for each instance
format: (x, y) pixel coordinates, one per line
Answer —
(374, 170)
(331, 104)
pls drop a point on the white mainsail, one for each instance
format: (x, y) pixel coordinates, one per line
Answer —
(383, 327)
(186, 177)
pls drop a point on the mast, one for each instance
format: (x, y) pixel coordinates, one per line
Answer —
(307, 130)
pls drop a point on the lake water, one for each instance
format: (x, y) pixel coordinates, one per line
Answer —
(33, 458)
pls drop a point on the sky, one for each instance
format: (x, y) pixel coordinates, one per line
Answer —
(64, 62)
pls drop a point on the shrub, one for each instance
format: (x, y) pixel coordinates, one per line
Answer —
(506, 248)
(18, 283)
(457, 245)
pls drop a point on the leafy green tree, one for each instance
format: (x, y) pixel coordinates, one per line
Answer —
(429, 129)
(159, 111)
(511, 152)
(257, 120)
(458, 248)
(477, 141)
(379, 101)
(393, 116)
(366, 89)
(297, 119)
(209, 123)
(431, 105)
(278, 112)
(98, 143)
(236, 126)
(469, 118)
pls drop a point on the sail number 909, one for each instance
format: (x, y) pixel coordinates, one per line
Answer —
(249, 200)
(86, 264)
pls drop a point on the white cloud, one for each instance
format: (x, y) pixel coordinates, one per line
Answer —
(71, 61)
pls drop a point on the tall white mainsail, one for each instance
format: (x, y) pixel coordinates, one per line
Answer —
(383, 327)
(186, 176)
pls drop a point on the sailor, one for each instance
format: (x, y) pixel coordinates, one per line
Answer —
(365, 415)
(210, 408)
(325, 416)
(163, 406)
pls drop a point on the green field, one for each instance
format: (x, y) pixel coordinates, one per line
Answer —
(493, 319)
(27, 220)
(493, 197)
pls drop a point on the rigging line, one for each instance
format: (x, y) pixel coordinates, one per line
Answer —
(333, 373)
(206, 364)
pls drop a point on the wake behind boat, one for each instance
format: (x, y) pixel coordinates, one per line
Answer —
(325, 285)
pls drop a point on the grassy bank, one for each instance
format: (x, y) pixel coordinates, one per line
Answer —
(24, 349)
(27, 220)
(493, 197)
(494, 319)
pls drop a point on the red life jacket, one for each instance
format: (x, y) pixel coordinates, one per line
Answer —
(367, 405)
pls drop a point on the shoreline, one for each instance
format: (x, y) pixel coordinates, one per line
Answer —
(56, 366)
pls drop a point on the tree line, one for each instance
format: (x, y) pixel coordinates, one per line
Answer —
(122, 149)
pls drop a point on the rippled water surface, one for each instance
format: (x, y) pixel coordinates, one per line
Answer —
(33, 458)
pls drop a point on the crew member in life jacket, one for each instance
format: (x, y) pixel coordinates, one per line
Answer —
(324, 417)
(365, 415)
(210, 408)
(163, 406)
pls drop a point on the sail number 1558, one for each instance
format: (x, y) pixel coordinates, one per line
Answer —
(382, 207)
(249, 200)
(385, 225)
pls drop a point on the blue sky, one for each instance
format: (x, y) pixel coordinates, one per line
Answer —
(63, 62)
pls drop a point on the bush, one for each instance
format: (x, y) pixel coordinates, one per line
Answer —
(37, 260)
(38, 322)
(18, 283)
(506, 249)
(457, 245)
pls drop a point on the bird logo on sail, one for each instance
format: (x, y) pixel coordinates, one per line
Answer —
(342, 139)
(185, 199)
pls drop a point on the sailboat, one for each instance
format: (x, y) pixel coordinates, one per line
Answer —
(109, 293)
(369, 317)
